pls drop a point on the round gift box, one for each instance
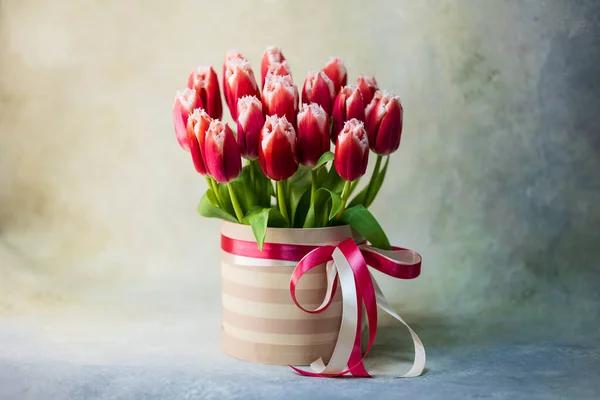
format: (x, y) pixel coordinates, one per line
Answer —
(260, 322)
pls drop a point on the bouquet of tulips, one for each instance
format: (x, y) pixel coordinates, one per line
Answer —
(287, 180)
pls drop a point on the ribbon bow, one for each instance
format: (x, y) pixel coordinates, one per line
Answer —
(349, 262)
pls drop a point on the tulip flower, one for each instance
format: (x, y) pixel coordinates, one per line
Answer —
(197, 125)
(249, 124)
(280, 97)
(239, 82)
(351, 151)
(348, 104)
(318, 88)
(229, 57)
(221, 153)
(271, 55)
(313, 134)
(185, 103)
(278, 68)
(205, 82)
(277, 149)
(277, 155)
(336, 71)
(367, 86)
(384, 123)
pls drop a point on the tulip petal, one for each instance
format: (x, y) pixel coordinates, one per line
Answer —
(277, 151)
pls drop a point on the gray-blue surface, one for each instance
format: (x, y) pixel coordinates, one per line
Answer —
(463, 363)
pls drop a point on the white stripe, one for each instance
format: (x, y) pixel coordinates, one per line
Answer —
(278, 311)
(279, 338)
(269, 280)
(254, 262)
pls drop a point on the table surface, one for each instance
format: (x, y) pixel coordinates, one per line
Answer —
(63, 357)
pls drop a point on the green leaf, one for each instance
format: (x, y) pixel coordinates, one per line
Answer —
(297, 193)
(262, 185)
(377, 182)
(302, 177)
(321, 176)
(225, 198)
(336, 204)
(210, 195)
(317, 213)
(302, 210)
(242, 186)
(260, 218)
(361, 219)
(298, 185)
(333, 181)
(324, 159)
(359, 198)
(309, 221)
(206, 209)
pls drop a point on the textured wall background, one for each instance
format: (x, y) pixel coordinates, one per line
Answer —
(497, 182)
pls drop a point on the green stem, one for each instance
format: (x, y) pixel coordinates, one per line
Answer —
(212, 184)
(252, 176)
(371, 187)
(236, 204)
(313, 187)
(353, 186)
(281, 200)
(345, 195)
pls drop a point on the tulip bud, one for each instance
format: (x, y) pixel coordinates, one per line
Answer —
(229, 56)
(221, 153)
(367, 86)
(249, 124)
(240, 82)
(280, 97)
(205, 82)
(384, 123)
(318, 88)
(277, 150)
(348, 104)
(185, 103)
(271, 55)
(197, 125)
(278, 68)
(336, 71)
(351, 151)
(313, 134)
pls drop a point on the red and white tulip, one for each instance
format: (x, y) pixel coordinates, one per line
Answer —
(384, 116)
(313, 134)
(351, 151)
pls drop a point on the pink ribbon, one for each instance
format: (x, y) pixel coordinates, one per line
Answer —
(347, 263)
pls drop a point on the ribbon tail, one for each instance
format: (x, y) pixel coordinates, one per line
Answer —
(419, 361)
(355, 363)
(343, 347)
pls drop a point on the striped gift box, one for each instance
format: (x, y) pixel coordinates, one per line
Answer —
(260, 321)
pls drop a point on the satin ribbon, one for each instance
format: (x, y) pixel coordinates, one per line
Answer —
(348, 263)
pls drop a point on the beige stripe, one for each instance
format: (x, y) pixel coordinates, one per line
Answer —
(258, 278)
(281, 326)
(270, 266)
(269, 295)
(275, 354)
(308, 236)
(280, 311)
(278, 338)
